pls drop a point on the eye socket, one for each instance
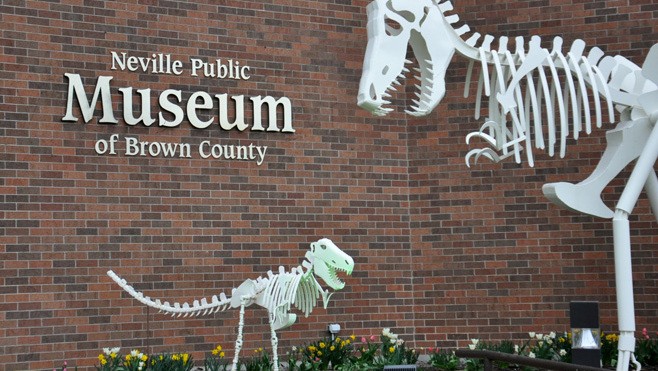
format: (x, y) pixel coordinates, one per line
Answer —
(385, 70)
(393, 28)
(373, 92)
(323, 247)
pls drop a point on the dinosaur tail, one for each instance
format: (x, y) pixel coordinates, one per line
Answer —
(201, 307)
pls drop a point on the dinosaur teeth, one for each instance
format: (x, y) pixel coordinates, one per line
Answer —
(445, 7)
(462, 30)
(416, 110)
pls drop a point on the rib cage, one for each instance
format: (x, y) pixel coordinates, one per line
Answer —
(518, 82)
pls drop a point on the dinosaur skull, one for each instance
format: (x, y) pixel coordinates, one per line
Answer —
(328, 259)
(392, 26)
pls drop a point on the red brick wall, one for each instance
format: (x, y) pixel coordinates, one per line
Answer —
(442, 253)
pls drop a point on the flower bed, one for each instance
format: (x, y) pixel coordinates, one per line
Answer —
(550, 347)
(371, 353)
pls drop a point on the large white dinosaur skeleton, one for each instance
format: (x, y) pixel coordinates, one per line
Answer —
(276, 293)
(533, 94)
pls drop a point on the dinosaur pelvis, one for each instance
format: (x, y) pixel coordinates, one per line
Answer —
(246, 290)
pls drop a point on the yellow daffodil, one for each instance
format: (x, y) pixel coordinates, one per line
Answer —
(221, 354)
(322, 345)
(391, 349)
(332, 348)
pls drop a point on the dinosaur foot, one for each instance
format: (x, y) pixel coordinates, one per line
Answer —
(577, 198)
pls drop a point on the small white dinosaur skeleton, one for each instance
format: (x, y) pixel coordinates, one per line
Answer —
(276, 293)
(536, 102)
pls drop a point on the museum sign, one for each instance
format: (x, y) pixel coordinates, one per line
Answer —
(176, 108)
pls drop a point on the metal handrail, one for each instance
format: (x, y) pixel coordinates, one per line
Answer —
(489, 355)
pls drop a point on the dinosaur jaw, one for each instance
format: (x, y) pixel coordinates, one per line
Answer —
(383, 64)
(328, 260)
(329, 274)
(375, 90)
(393, 26)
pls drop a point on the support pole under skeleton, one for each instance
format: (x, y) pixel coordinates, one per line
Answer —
(643, 174)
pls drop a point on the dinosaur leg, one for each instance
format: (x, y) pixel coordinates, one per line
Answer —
(624, 145)
(238, 340)
(275, 343)
(643, 175)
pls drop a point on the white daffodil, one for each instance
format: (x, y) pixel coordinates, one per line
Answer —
(115, 350)
(540, 336)
(552, 335)
(563, 352)
(531, 355)
(532, 335)
(107, 351)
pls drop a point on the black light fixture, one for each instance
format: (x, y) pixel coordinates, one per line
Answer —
(585, 333)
